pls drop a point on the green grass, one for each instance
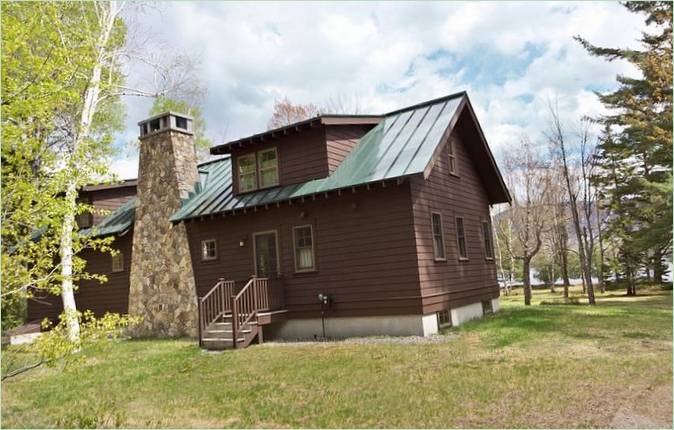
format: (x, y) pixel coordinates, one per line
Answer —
(539, 366)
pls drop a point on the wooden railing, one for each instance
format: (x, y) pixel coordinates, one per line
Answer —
(224, 300)
(214, 304)
(259, 294)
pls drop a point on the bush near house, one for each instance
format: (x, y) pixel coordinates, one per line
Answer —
(539, 366)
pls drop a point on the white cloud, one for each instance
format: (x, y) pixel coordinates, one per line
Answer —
(393, 54)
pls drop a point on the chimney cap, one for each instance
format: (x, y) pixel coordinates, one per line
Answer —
(165, 121)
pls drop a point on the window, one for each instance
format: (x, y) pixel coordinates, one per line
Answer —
(452, 157)
(247, 173)
(444, 318)
(118, 262)
(304, 248)
(85, 219)
(461, 239)
(268, 167)
(209, 250)
(487, 307)
(438, 237)
(488, 245)
(258, 170)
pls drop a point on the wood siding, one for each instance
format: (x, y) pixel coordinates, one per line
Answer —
(109, 199)
(363, 244)
(452, 283)
(340, 140)
(112, 296)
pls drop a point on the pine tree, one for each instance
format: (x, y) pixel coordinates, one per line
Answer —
(635, 152)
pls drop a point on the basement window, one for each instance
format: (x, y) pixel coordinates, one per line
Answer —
(444, 318)
(118, 262)
(486, 307)
(209, 250)
(438, 237)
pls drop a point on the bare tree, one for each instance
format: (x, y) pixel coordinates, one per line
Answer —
(529, 180)
(585, 238)
(559, 221)
(285, 113)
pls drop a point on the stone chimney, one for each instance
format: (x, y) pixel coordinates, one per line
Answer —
(162, 288)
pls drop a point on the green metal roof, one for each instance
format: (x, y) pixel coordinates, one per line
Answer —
(402, 144)
(120, 220)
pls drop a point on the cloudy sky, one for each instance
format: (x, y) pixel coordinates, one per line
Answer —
(511, 58)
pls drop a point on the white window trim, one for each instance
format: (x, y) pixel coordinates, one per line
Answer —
(442, 235)
(465, 240)
(238, 171)
(114, 269)
(278, 257)
(205, 258)
(313, 249)
(259, 168)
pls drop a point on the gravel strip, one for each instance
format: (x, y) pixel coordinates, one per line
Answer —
(370, 340)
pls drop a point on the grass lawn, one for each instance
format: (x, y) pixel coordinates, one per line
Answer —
(540, 366)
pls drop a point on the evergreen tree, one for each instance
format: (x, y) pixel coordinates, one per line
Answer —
(635, 151)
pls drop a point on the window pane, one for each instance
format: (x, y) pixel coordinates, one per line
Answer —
(247, 182)
(460, 236)
(268, 166)
(304, 252)
(268, 178)
(488, 249)
(438, 239)
(118, 262)
(247, 164)
(267, 158)
(208, 249)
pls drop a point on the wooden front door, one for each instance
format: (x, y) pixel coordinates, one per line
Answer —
(266, 254)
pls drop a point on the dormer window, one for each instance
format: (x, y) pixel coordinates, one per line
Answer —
(258, 170)
(268, 167)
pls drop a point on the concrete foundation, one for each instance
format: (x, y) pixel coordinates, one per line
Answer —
(391, 325)
(343, 327)
(466, 313)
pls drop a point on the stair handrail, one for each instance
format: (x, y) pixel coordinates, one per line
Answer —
(213, 305)
(244, 306)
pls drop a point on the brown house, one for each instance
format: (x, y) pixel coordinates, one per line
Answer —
(335, 226)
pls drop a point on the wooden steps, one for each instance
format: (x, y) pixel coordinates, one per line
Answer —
(218, 336)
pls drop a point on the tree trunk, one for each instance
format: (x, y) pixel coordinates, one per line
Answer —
(526, 279)
(66, 254)
(657, 267)
(600, 240)
(565, 268)
(91, 100)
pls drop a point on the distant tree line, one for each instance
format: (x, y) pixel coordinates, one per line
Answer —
(598, 207)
